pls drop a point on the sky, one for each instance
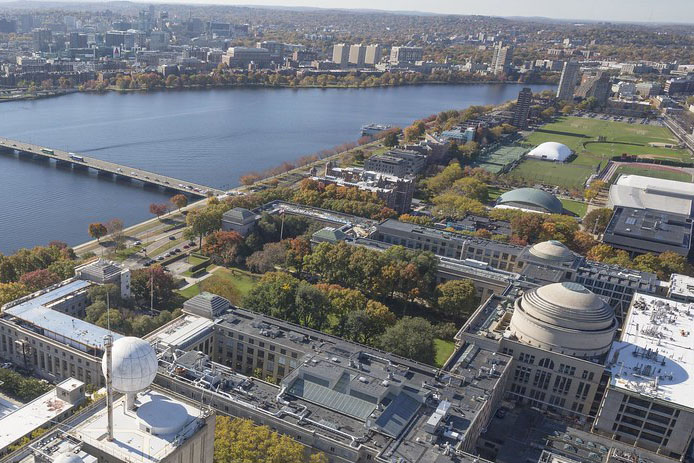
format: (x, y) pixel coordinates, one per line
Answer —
(681, 11)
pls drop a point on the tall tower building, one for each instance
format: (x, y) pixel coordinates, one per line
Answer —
(341, 54)
(357, 55)
(567, 83)
(502, 59)
(373, 54)
(520, 115)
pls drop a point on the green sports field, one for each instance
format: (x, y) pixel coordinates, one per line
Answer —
(666, 174)
(581, 135)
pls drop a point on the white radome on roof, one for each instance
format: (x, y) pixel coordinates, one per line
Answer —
(68, 458)
(550, 151)
(134, 364)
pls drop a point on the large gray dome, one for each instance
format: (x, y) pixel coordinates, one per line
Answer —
(564, 317)
(552, 250)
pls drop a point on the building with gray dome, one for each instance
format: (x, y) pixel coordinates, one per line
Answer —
(530, 199)
(559, 335)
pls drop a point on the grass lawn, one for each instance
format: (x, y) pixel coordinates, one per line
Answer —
(581, 135)
(444, 349)
(494, 193)
(577, 207)
(666, 174)
(195, 260)
(238, 282)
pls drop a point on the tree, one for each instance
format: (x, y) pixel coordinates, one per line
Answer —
(114, 227)
(594, 189)
(400, 339)
(271, 256)
(472, 188)
(596, 220)
(600, 252)
(39, 279)
(158, 209)
(391, 140)
(311, 306)
(11, 291)
(144, 279)
(443, 180)
(202, 222)
(456, 298)
(222, 246)
(240, 440)
(97, 230)
(179, 200)
(275, 295)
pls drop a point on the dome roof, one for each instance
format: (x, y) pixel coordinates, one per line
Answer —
(552, 250)
(134, 364)
(564, 317)
(551, 151)
(68, 458)
(531, 198)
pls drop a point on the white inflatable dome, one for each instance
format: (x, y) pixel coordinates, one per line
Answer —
(134, 365)
(68, 458)
(550, 151)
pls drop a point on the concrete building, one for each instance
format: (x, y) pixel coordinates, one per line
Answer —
(106, 272)
(44, 411)
(639, 231)
(639, 192)
(37, 333)
(501, 62)
(406, 55)
(648, 400)
(397, 162)
(597, 86)
(558, 335)
(341, 54)
(242, 57)
(522, 109)
(373, 54)
(352, 402)
(568, 80)
(239, 220)
(357, 55)
(42, 39)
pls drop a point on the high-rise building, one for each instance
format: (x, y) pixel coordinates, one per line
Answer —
(597, 86)
(522, 111)
(78, 40)
(41, 39)
(357, 55)
(341, 54)
(502, 59)
(567, 82)
(373, 54)
(406, 54)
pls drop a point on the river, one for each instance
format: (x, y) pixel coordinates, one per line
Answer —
(211, 137)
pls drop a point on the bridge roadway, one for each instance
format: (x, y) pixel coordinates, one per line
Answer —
(105, 167)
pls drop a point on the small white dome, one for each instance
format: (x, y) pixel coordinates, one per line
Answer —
(68, 458)
(550, 151)
(134, 364)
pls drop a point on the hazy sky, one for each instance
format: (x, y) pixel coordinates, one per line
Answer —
(610, 10)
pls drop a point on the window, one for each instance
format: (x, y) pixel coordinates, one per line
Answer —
(546, 363)
(526, 358)
(542, 379)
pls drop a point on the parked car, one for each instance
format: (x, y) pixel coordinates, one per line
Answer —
(172, 237)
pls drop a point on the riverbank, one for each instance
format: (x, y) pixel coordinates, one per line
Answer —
(37, 96)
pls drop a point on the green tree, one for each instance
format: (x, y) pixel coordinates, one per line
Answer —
(311, 306)
(472, 188)
(456, 298)
(203, 222)
(597, 219)
(145, 282)
(275, 295)
(11, 291)
(399, 339)
(391, 140)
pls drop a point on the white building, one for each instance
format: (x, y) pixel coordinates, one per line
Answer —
(649, 400)
(639, 192)
(551, 151)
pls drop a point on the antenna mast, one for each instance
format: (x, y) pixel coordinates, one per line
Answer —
(108, 343)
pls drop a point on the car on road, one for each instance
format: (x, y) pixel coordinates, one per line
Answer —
(138, 243)
(177, 250)
(191, 243)
(186, 246)
(147, 264)
(160, 258)
(172, 237)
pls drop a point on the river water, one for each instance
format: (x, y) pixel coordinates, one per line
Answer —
(211, 137)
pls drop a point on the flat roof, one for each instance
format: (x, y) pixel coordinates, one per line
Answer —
(681, 286)
(33, 415)
(639, 198)
(57, 325)
(641, 230)
(183, 332)
(655, 354)
(658, 185)
(130, 441)
(7, 407)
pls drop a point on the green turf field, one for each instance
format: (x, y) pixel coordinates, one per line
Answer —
(581, 135)
(577, 207)
(668, 175)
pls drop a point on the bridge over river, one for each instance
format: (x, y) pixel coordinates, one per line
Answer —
(80, 162)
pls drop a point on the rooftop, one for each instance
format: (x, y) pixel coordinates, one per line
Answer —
(33, 313)
(639, 198)
(638, 230)
(681, 287)
(168, 420)
(184, 332)
(655, 354)
(531, 199)
(40, 411)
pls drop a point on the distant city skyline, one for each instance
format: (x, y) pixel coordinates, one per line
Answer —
(675, 11)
